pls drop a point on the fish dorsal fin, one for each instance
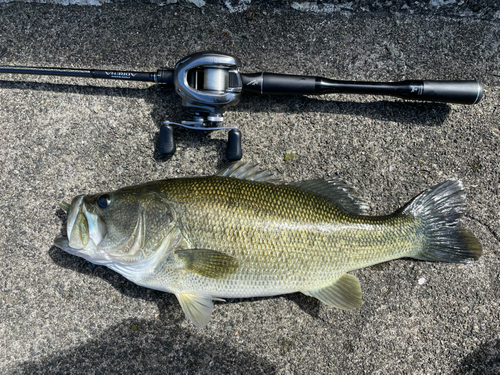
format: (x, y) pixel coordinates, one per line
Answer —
(336, 191)
(208, 263)
(345, 293)
(197, 307)
(247, 171)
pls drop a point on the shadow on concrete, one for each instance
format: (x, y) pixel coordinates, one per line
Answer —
(139, 346)
(412, 112)
(484, 360)
(167, 105)
(143, 346)
(405, 112)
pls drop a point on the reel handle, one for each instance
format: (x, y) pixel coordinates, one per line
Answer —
(233, 150)
(166, 143)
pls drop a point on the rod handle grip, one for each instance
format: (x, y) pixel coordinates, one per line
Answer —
(278, 84)
(459, 92)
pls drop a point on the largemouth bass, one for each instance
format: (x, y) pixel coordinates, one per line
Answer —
(241, 234)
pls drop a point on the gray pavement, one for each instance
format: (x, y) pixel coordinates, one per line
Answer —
(61, 137)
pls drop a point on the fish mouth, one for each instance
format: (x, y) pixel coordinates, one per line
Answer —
(85, 230)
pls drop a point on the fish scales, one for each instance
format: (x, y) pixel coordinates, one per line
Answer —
(237, 234)
(284, 238)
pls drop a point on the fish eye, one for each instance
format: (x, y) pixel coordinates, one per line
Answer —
(103, 201)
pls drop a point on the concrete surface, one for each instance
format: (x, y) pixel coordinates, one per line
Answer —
(61, 137)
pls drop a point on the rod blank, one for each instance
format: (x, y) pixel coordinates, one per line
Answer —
(459, 92)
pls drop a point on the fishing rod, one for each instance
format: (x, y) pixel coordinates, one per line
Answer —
(210, 82)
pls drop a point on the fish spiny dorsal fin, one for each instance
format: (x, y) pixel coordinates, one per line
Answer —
(247, 171)
(336, 191)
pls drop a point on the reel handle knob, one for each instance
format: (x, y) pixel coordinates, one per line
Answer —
(233, 151)
(166, 144)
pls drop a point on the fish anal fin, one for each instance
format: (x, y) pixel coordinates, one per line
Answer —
(197, 307)
(344, 293)
(207, 263)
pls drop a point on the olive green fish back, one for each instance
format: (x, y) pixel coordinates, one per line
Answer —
(282, 236)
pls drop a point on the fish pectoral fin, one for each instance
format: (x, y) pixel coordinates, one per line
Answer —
(208, 263)
(344, 293)
(197, 307)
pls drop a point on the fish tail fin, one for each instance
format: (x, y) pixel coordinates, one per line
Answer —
(439, 210)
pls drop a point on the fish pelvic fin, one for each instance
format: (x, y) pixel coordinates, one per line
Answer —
(439, 210)
(344, 293)
(65, 206)
(207, 263)
(197, 307)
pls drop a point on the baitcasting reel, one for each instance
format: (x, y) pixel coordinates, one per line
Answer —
(210, 82)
